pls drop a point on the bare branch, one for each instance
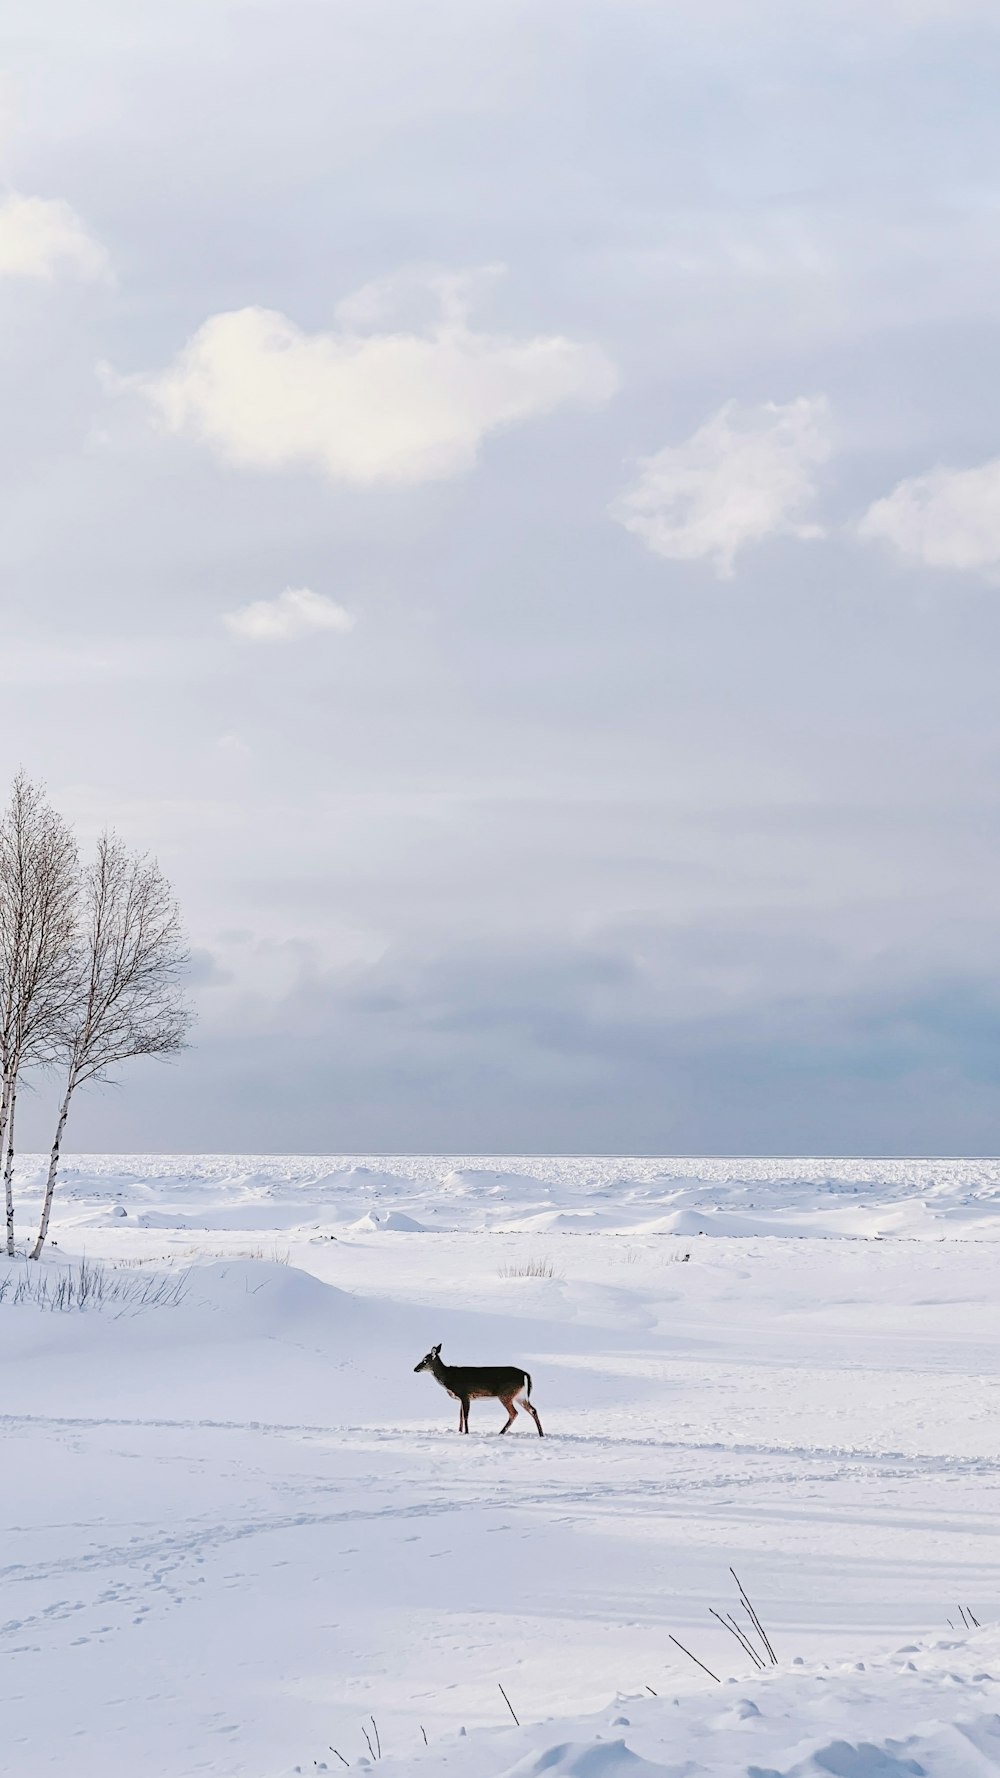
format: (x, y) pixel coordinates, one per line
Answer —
(128, 995)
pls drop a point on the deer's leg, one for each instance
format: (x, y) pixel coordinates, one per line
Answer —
(464, 1419)
(512, 1411)
(526, 1405)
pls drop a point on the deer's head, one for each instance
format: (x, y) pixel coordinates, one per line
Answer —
(428, 1363)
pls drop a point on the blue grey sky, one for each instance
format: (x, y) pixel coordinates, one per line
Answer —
(504, 500)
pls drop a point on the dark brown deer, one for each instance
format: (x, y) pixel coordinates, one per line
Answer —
(474, 1382)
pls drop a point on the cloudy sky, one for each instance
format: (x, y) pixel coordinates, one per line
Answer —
(504, 499)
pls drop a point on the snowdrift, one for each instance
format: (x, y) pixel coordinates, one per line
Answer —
(247, 1340)
(928, 1711)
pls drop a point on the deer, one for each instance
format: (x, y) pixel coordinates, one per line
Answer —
(477, 1382)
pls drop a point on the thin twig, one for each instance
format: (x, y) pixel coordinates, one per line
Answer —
(754, 1628)
(696, 1661)
(508, 1703)
(765, 1639)
(340, 1756)
(730, 1619)
(371, 1749)
(423, 1731)
(741, 1639)
(961, 1614)
(378, 1744)
(975, 1621)
(757, 1625)
(756, 1619)
(651, 1692)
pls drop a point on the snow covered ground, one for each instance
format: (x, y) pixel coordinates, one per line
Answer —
(238, 1527)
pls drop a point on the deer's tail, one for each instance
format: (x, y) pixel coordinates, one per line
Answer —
(527, 1378)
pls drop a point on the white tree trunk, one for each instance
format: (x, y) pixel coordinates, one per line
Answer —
(5, 1118)
(50, 1183)
(8, 1172)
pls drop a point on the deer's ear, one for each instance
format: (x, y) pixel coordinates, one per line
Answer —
(436, 1350)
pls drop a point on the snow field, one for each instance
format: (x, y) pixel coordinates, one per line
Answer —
(239, 1527)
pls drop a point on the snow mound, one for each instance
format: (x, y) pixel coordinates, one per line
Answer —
(204, 1306)
(498, 1182)
(844, 1759)
(394, 1220)
(572, 1222)
(222, 1341)
(716, 1220)
(925, 1711)
(364, 1178)
(263, 1297)
(610, 1760)
(248, 1218)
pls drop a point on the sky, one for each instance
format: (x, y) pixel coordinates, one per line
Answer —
(504, 501)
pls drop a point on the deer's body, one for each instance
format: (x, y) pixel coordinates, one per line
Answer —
(481, 1382)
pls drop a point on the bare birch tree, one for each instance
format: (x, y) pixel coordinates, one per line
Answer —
(39, 883)
(129, 998)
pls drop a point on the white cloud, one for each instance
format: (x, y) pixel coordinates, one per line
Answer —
(745, 475)
(948, 518)
(42, 237)
(295, 612)
(365, 406)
